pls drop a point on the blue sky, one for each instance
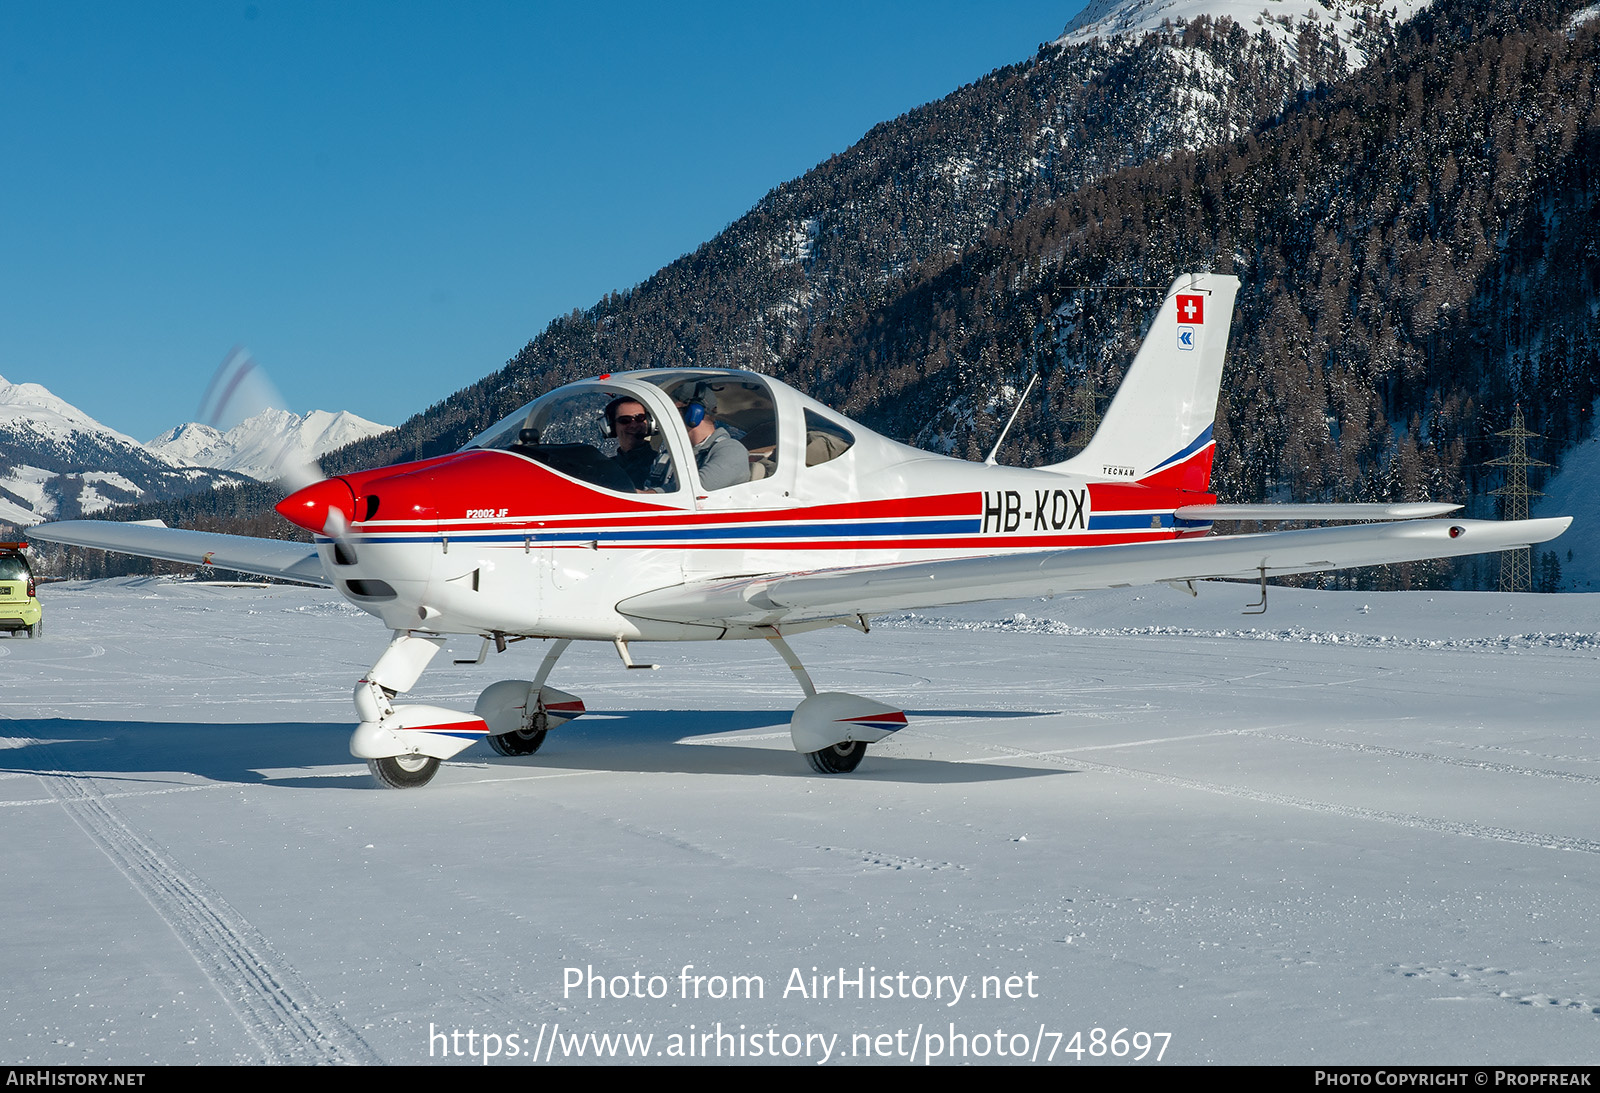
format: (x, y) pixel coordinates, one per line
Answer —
(384, 202)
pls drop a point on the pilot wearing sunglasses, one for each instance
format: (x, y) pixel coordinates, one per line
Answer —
(630, 424)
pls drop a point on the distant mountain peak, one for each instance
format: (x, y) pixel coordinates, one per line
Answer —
(255, 446)
(57, 462)
(37, 410)
(1281, 19)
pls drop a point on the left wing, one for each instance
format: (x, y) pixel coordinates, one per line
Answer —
(869, 590)
(263, 557)
(1361, 510)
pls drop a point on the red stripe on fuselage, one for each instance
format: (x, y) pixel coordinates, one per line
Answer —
(441, 491)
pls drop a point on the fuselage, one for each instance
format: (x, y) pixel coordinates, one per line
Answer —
(531, 529)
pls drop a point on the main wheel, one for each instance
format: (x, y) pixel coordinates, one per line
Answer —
(839, 759)
(404, 771)
(518, 743)
(523, 741)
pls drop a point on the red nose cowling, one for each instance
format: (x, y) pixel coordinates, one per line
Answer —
(310, 508)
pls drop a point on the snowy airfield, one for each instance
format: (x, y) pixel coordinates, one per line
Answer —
(1359, 828)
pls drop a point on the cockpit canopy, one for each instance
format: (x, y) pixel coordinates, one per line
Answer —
(633, 433)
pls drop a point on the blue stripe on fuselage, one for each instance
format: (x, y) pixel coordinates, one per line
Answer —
(745, 531)
(1139, 521)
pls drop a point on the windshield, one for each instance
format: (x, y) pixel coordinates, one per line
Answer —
(595, 433)
(13, 567)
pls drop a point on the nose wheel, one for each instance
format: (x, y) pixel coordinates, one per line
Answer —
(404, 771)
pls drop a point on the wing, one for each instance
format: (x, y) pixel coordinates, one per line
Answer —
(264, 557)
(869, 590)
(1357, 511)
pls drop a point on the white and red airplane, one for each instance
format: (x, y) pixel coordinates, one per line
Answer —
(546, 527)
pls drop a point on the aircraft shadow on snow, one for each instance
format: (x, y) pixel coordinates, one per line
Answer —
(632, 741)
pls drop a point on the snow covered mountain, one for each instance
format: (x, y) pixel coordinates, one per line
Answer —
(253, 447)
(806, 270)
(58, 463)
(1359, 25)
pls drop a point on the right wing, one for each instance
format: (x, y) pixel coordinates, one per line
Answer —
(263, 557)
(779, 599)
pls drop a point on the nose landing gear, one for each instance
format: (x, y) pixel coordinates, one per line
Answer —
(404, 771)
(403, 745)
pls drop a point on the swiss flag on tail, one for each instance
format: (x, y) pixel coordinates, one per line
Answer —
(1191, 309)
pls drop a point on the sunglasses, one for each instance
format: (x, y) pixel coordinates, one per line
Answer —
(629, 419)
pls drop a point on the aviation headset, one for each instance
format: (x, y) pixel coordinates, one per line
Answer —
(699, 401)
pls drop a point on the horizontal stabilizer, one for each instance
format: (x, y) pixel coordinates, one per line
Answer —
(263, 557)
(1409, 511)
(870, 590)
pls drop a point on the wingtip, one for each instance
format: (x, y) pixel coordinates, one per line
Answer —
(1545, 528)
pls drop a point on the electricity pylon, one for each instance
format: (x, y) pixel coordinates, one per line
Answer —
(1516, 570)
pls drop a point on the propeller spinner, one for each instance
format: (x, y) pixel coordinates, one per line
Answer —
(327, 507)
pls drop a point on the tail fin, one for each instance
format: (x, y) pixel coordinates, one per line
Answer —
(1158, 429)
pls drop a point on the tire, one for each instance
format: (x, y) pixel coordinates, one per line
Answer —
(518, 743)
(36, 630)
(404, 771)
(839, 759)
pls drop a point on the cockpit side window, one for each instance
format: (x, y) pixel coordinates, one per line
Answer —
(596, 434)
(739, 407)
(825, 439)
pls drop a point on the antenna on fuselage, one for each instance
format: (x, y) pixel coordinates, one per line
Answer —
(1015, 410)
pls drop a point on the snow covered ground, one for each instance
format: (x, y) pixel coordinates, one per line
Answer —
(1573, 491)
(1359, 828)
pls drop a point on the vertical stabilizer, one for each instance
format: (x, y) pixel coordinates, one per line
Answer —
(1158, 429)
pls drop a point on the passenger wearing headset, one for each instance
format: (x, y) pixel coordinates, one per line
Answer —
(722, 460)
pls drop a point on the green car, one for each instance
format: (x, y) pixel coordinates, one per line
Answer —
(19, 606)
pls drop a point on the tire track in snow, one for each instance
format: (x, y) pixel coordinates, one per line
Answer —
(1426, 757)
(280, 1012)
(1356, 812)
(1557, 757)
